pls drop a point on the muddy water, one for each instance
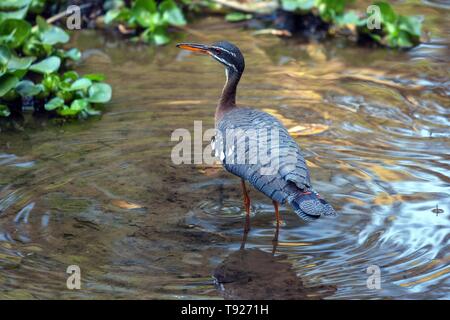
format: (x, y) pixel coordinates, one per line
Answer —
(104, 194)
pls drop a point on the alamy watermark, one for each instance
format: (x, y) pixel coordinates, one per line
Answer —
(374, 280)
(373, 17)
(74, 280)
(73, 21)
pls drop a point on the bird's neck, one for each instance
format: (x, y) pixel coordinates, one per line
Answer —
(227, 100)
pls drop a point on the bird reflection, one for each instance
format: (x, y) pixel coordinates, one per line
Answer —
(257, 274)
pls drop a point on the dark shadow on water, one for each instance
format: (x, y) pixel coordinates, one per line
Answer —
(256, 274)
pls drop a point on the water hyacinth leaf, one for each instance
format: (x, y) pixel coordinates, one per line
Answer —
(387, 13)
(9, 5)
(5, 55)
(293, 5)
(4, 111)
(160, 36)
(237, 16)
(111, 15)
(172, 13)
(80, 84)
(412, 25)
(7, 82)
(54, 103)
(350, 18)
(73, 54)
(18, 14)
(16, 63)
(92, 112)
(142, 11)
(53, 35)
(79, 104)
(402, 40)
(46, 66)
(13, 32)
(27, 88)
(100, 93)
(70, 76)
(66, 111)
(95, 77)
(51, 82)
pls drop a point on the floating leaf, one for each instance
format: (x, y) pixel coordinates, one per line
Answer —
(70, 76)
(7, 82)
(387, 13)
(73, 54)
(4, 111)
(46, 66)
(412, 25)
(16, 63)
(142, 11)
(13, 32)
(90, 111)
(9, 5)
(5, 55)
(160, 36)
(66, 111)
(18, 14)
(95, 77)
(293, 5)
(112, 15)
(80, 84)
(54, 103)
(51, 82)
(100, 93)
(79, 104)
(172, 13)
(27, 88)
(350, 18)
(54, 35)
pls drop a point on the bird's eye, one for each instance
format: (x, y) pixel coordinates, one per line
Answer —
(218, 51)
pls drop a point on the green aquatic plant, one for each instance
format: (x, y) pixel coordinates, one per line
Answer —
(148, 18)
(396, 31)
(31, 60)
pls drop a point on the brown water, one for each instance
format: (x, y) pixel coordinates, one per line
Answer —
(103, 194)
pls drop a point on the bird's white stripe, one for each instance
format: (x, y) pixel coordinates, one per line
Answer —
(220, 48)
(226, 62)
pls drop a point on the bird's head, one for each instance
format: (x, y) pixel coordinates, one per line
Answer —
(226, 53)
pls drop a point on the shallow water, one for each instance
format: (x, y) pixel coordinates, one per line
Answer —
(104, 194)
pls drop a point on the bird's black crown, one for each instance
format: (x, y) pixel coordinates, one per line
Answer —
(229, 55)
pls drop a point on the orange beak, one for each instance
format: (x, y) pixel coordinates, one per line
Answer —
(201, 48)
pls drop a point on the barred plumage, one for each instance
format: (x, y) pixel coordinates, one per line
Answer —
(245, 135)
(289, 182)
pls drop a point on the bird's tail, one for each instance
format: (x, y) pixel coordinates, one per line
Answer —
(310, 206)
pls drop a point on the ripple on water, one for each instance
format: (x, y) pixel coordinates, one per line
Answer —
(382, 162)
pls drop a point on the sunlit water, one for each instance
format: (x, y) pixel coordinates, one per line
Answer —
(104, 194)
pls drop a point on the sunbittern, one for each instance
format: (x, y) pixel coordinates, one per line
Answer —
(290, 181)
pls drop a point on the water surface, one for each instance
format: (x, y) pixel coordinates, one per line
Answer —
(104, 194)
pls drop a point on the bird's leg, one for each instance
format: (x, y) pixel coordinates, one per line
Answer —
(247, 206)
(246, 228)
(277, 215)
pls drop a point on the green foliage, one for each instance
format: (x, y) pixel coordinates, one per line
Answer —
(237, 16)
(146, 16)
(30, 63)
(397, 31)
(75, 95)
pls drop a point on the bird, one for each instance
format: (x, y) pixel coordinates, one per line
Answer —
(287, 182)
